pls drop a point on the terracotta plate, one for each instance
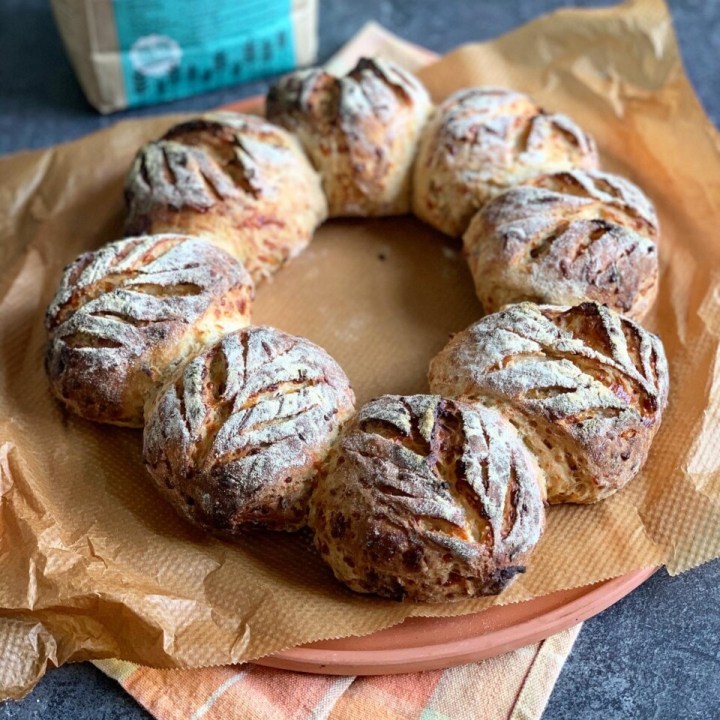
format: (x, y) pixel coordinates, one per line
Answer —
(432, 643)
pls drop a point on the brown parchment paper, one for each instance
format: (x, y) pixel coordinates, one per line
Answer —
(94, 564)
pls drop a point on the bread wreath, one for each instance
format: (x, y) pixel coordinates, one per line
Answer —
(428, 497)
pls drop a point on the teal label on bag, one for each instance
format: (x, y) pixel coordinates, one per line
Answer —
(175, 48)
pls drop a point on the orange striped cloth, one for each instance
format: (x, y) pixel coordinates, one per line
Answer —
(515, 686)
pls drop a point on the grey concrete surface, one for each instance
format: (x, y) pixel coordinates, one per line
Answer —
(656, 654)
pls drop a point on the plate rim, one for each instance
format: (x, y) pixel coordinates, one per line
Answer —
(344, 661)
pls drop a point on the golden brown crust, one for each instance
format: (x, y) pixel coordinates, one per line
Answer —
(585, 387)
(235, 179)
(233, 440)
(614, 198)
(427, 499)
(126, 315)
(563, 239)
(360, 131)
(480, 142)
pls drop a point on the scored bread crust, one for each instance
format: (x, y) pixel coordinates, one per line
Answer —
(584, 386)
(233, 441)
(427, 499)
(127, 315)
(565, 238)
(360, 131)
(613, 197)
(236, 179)
(480, 142)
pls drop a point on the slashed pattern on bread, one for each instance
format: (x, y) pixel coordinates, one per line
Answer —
(481, 141)
(127, 315)
(612, 197)
(584, 386)
(234, 440)
(236, 179)
(427, 499)
(565, 238)
(360, 131)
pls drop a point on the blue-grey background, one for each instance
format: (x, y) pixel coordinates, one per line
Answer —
(656, 654)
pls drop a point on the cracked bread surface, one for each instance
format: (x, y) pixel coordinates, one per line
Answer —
(563, 239)
(585, 387)
(613, 197)
(127, 315)
(360, 131)
(427, 499)
(234, 440)
(236, 179)
(481, 141)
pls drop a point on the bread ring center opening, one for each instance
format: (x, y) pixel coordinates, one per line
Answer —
(382, 296)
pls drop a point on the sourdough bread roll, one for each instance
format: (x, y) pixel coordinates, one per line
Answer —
(236, 179)
(234, 440)
(565, 238)
(480, 142)
(127, 315)
(585, 387)
(427, 499)
(360, 131)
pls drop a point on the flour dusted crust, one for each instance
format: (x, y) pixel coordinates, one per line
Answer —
(565, 238)
(481, 141)
(611, 197)
(360, 131)
(584, 386)
(236, 179)
(233, 441)
(125, 316)
(427, 499)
